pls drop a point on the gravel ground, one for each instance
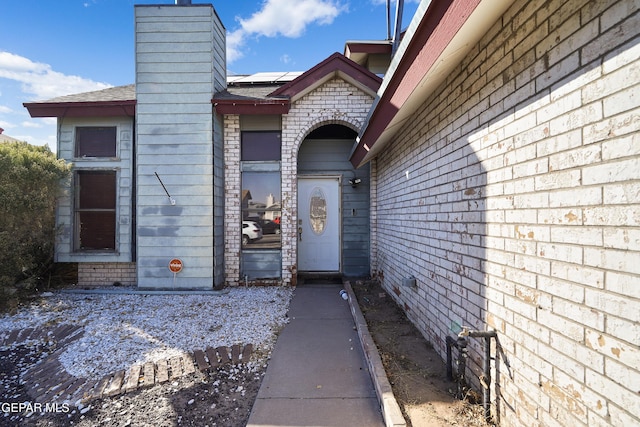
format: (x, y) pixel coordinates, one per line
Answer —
(122, 330)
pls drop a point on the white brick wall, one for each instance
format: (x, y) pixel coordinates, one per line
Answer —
(525, 189)
(334, 102)
(106, 273)
(232, 190)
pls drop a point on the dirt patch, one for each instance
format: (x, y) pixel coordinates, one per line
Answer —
(416, 372)
(223, 397)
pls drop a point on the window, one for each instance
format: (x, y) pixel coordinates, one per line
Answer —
(261, 205)
(260, 146)
(95, 210)
(261, 194)
(95, 141)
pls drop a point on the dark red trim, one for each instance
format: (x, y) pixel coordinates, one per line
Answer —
(442, 20)
(227, 106)
(369, 48)
(81, 109)
(334, 63)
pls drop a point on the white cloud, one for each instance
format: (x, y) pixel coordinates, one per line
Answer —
(285, 59)
(41, 80)
(5, 109)
(29, 124)
(288, 18)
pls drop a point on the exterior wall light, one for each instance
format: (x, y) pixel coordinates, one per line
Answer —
(354, 182)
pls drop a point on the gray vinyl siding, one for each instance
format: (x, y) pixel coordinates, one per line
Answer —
(219, 83)
(330, 157)
(122, 164)
(260, 123)
(218, 202)
(175, 131)
(261, 264)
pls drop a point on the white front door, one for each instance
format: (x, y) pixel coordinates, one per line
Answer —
(319, 224)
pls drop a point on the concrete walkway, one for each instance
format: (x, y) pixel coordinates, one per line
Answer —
(317, 375)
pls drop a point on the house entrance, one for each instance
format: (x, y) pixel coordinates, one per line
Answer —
(319, 224)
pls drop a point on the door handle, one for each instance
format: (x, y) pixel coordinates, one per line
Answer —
(300, 233)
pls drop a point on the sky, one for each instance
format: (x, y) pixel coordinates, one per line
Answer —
(53, 48)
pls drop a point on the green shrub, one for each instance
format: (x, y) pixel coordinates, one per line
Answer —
(30, 181)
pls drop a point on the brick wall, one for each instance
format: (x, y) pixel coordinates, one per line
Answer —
(334, 102)
(514, 198)
(107, 273)
(232, 190)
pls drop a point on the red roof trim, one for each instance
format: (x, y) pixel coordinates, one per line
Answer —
(440, 24)
(365, 47)
(335, 62)
(248, 107)
(81, 109)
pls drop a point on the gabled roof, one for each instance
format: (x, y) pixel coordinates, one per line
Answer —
(438, 38)
(114, 101)
(258, 100)
(337, 65)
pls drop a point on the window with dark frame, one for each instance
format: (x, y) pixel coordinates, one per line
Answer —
(96, 141)
(95, 210)
(261, 188)
(260, 146)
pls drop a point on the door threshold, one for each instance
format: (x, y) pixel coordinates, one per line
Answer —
(319, 279)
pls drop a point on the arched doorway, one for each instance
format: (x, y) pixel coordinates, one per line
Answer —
(333, 204)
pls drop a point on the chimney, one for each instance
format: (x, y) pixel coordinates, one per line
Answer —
(180, 65)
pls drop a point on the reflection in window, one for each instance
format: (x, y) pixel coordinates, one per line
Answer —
(261, 210)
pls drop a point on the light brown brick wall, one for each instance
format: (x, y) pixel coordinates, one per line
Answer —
(521, 211)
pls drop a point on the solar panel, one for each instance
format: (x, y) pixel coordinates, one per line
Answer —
(264, 77)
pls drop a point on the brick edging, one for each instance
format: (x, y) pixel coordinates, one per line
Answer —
(149, 374)
(48, 381)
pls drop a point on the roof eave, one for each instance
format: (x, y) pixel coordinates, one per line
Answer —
(81, 109)
(359, 50)
(438, 38)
